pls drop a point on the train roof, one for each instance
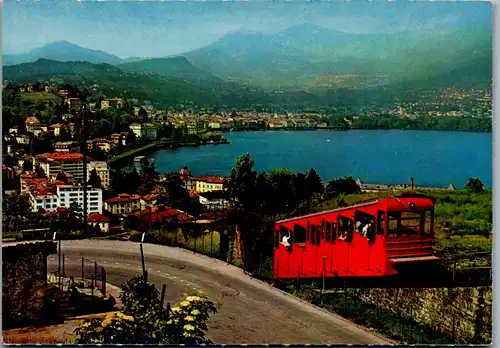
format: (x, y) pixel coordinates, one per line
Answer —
(387, 204)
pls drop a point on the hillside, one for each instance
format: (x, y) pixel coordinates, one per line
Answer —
(163, 90)
(62, 51)
(171, 67)
(308, 56)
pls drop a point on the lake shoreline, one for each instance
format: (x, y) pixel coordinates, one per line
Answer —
(434, 159)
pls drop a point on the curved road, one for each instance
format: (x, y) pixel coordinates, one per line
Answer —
(249, 311)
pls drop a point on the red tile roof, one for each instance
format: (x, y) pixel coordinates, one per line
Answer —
(194, 194)
(96, 217)
(31, 119)
(170, 215)
(119, 200)
(210, 179)
(63, 157)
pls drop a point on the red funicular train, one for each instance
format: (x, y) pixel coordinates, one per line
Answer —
(365, 240)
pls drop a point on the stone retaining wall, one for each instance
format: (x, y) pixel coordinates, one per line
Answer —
(464, 312)
(24, 281)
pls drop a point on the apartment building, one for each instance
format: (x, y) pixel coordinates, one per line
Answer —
(53, 163)
(53, 195)
(144, 131)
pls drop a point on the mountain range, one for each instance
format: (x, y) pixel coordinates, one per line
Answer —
(63, 51)
(317, 61)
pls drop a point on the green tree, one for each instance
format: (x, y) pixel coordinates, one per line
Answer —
(94, 180)
(149, 176)
(339, 186)
(75, 217)
(475, 185)
(178, 195)
(242, 184)
(27, 166)
(39, 172)
(313, 182)
(61, 176)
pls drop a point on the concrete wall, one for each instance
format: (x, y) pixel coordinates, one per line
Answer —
(24, 282)
(466, 311)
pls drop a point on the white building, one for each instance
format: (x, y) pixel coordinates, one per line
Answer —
(213, 199)
(100, 220)
(102, 170)
(51, 197)
(205, 183)
(144, 131)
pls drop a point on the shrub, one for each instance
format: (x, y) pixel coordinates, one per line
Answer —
(145, 321)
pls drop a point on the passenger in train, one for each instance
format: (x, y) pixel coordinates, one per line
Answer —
(366, 229)
(285, 239)
(359, 226)
(343, 236)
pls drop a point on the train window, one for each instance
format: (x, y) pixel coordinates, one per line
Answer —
(286, 237)
(346, 227)
(308, 231)
(299, 234)
(427, 221)
(365, 224)
(328, 231)
(276, 239)
(323, 232)
(403, 224)
(318, 235)
(313, 234)
(381, 223)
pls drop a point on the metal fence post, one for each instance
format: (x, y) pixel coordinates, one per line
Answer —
(83, 266)
(163, 290)
(345, 297)
(211, 242)
(63, 268)
(92, 287)
(95, 272)
(203, 242)
(104, 282)
(195, 243)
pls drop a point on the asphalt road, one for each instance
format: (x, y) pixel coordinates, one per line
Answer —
(249, 311)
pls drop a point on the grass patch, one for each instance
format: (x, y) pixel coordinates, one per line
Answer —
(207, 244)
(40, 96)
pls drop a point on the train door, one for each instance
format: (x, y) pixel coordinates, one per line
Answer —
(283, 252)
(365, 228)
(330, 233)
(300, 252)
(316, 242)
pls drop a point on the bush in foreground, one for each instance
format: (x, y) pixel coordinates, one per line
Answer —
(144, 320)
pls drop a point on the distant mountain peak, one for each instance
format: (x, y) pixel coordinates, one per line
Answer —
(62, 50)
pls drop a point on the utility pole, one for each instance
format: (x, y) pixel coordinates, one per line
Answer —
(84, 140)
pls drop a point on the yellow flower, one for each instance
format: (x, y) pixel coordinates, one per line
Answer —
(189, 327)
(189, 318)
(106, 322)
(185, 304)
(193, 298)
(128, 317)
(176, 309)
(195, 312)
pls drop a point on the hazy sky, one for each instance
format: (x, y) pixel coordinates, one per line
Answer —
(153, 29)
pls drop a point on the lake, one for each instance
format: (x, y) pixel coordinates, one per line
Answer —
(433, 158)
